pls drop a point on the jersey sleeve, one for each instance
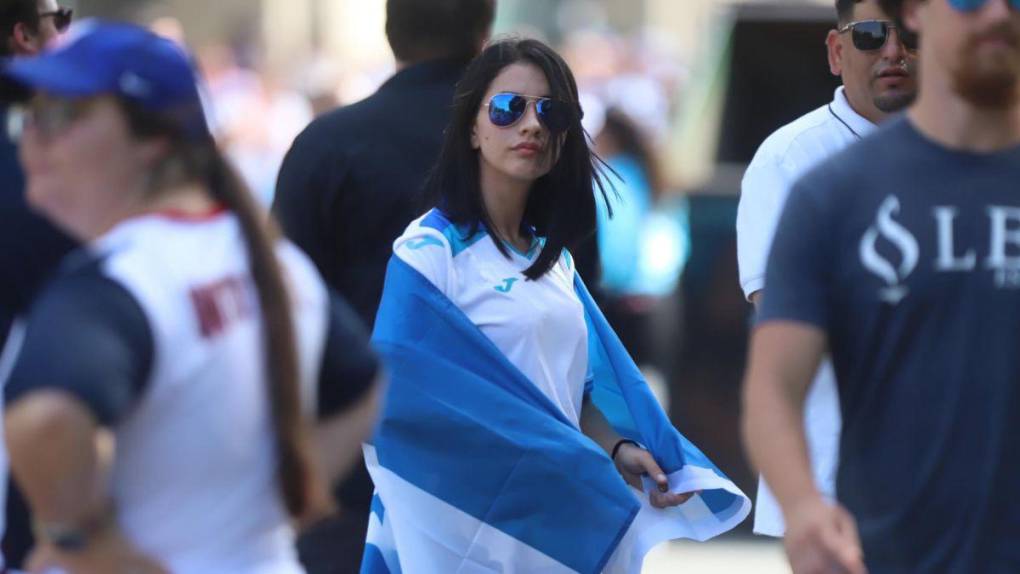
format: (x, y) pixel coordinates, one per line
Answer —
(349, 366)
(800, 263)
(429, 252)
(87, 336)
(762, 194)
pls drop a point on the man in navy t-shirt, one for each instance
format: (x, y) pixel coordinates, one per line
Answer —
(901, 257)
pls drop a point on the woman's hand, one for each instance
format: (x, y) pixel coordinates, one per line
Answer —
(107, 553)
(632, 462)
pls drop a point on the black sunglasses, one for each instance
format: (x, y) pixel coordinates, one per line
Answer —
(61, 18)
(871, 35)
(507, 108)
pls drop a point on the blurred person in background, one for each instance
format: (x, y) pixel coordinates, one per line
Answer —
(515, 416)
(877, 61)
(184, 330)
(637, 183)
(898, 256)
(30, 246)
(351, 183)
(236, 95)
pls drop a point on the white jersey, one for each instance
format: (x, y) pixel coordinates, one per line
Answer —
(538, 325)
(782, 159)
(194, 480)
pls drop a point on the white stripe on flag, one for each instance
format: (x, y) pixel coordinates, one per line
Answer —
(692, 520)
(432, 536)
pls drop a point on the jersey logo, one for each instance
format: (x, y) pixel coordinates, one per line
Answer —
(423, 242)
(507, 285)
(887, 228)
(219, 304)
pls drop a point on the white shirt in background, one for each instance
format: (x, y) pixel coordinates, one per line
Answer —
(784, 157)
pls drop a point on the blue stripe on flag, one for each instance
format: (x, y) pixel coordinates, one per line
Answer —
(533, 475)
(461, 423)
(377, 507)
(372, 561)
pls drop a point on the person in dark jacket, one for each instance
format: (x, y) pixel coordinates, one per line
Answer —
(30, 247)
(350, 185)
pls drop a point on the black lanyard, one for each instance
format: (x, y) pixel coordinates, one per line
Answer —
(846, 125)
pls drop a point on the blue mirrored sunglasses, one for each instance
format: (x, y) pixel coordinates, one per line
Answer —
(972, 5)
(507, 108)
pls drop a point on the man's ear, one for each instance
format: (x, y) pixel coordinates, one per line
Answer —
(835, 50)
(24, 41)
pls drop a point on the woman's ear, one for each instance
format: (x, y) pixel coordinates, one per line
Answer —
(475, 144)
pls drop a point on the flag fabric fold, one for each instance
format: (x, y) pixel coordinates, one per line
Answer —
(477, 471)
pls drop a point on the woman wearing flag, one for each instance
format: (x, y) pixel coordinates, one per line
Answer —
(515, 419)
(183, 329)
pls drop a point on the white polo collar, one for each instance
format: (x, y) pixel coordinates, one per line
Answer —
(851, 120)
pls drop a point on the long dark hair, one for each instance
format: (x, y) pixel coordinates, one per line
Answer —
(194, 158)
(561, 204)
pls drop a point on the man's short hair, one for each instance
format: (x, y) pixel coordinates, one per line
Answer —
(894, 8)
(425, 29)
(13, 12)
(845, 10)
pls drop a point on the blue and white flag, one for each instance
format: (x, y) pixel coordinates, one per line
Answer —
(477, 471)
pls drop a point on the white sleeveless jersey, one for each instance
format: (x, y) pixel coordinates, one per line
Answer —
(194, 479)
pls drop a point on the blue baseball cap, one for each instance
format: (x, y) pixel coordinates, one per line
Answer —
(98, 57)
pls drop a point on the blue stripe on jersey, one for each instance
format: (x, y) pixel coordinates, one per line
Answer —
(459, 236)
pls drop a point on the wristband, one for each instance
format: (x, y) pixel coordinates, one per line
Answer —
(621, 442)
(70, 537)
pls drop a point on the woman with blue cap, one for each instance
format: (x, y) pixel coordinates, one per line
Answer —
(185, 330)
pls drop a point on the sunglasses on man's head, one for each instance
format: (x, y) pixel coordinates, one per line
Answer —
(61, 18)
(972, 5)
(871, 35)
(507, 108)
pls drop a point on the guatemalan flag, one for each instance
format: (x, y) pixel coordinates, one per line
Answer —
(476, 471)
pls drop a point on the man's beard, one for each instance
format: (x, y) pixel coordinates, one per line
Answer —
(990, 83)
(893, 103)
(896, 100)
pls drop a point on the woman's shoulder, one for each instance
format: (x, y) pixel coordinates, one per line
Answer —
(430, 244)
(436, 232)
(566, 264)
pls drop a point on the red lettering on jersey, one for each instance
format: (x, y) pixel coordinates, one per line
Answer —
(221, 303)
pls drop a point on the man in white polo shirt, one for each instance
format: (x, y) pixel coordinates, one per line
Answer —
(877, 62)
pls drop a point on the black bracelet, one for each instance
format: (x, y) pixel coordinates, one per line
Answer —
(621, 442)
